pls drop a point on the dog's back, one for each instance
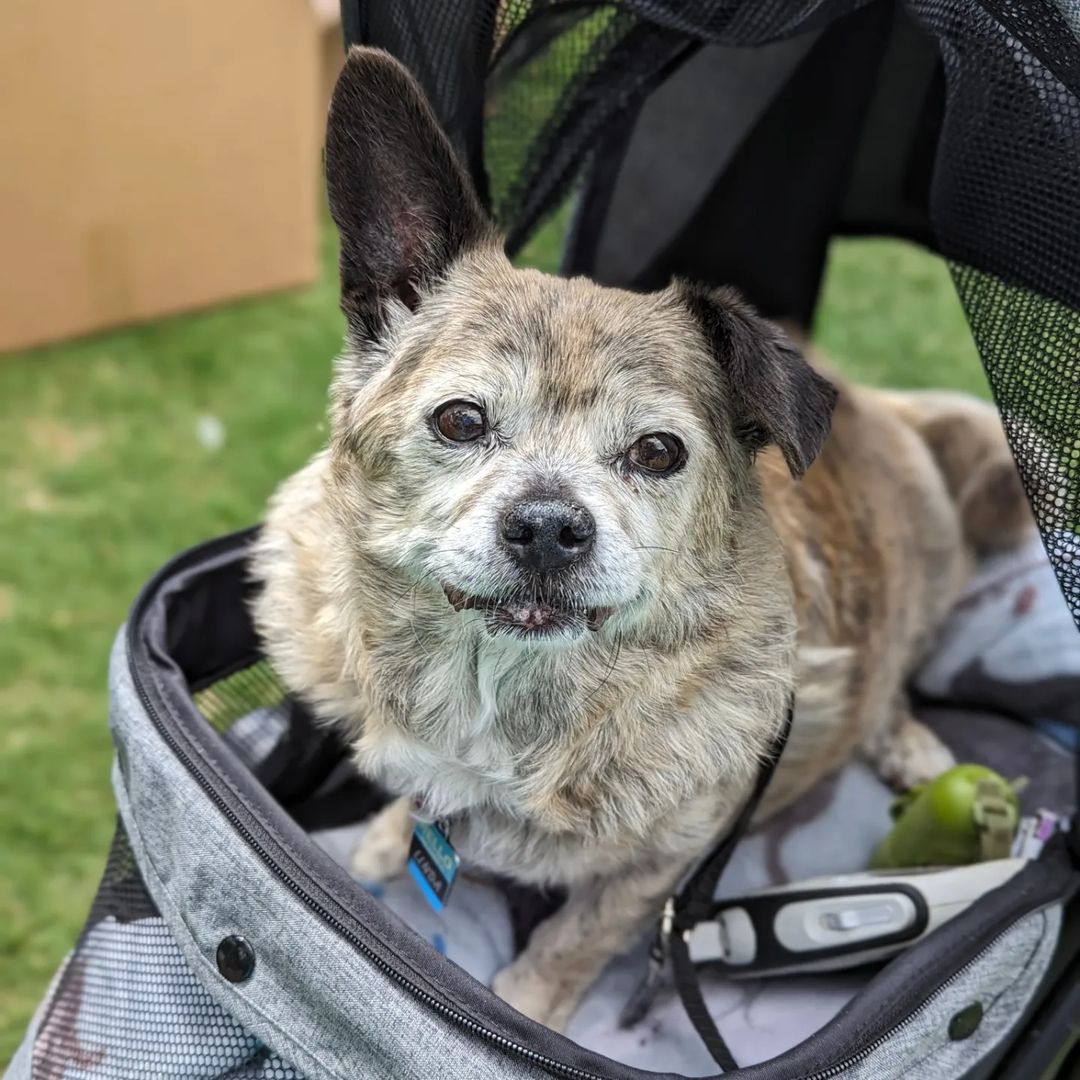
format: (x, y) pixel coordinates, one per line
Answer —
(880, 535)
(966, 438)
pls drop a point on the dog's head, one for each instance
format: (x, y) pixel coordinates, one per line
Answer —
(544, 451)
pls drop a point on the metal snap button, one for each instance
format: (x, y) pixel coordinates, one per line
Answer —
(235, 958)
(965, 1022)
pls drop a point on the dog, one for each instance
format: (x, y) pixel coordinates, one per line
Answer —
(570, 550)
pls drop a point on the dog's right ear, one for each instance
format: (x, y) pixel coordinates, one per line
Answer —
(772, 394)
(403, 205)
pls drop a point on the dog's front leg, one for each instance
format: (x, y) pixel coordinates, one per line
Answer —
(601, 918)
(383, 848)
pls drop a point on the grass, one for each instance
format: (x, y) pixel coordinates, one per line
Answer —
(103, 477)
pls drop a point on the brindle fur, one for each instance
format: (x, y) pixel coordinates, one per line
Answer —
(604, 762)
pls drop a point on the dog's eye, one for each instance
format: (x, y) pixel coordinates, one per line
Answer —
(460, 421)
(657, 453)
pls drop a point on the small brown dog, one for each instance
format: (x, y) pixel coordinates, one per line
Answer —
(560, 568)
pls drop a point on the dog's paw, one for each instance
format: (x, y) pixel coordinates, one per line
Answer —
(537, 996)
(910, 754)
(382, 852)
(378, 862)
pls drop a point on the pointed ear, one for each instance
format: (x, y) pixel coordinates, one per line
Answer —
(773, 394)
(402, 203)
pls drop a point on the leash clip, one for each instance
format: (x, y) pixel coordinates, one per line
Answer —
(640, 1001)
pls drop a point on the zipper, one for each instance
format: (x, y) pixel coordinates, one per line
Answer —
(458, 1018)
(866, 1051)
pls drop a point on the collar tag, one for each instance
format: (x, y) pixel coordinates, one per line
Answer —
(433, 862)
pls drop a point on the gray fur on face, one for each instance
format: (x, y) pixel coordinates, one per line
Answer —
(569, 380)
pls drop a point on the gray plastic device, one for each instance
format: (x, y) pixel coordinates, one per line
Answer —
(827, 923)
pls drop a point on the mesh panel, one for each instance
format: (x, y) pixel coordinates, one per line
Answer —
(547, 105)
(227, 700)
(1031, 349)
(527, 88)
(127, 1006)
(251, 709)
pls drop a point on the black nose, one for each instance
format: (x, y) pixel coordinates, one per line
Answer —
(546, 534)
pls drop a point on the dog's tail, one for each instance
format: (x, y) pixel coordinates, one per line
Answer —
(966, 438)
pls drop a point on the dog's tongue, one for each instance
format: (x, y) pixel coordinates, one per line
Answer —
(535, 615)
(530, 614)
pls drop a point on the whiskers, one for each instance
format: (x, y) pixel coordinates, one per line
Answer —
(408, 592)
(655, 547)
(616, 650)
(405, 602)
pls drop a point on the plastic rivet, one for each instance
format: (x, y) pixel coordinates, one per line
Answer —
(235, 958)
(965, 1022)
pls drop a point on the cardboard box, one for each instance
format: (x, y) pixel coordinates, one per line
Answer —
(331, 50)
(157, 157)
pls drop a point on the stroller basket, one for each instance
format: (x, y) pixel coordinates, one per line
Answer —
(225, 942)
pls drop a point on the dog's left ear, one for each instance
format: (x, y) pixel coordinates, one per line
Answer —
(773, 395)
(403, 204)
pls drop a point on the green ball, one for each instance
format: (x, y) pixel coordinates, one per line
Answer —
(965, 815)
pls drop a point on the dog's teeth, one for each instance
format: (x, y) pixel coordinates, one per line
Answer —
(458, 600)
(528, 615)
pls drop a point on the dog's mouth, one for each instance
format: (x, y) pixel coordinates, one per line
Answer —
(529, 616)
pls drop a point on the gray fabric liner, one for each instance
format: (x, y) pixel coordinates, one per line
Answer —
(895, 993)
(331, 1014)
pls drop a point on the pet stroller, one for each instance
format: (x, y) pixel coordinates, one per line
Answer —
(227, 940)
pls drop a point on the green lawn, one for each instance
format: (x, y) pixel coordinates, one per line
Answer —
(103, 477)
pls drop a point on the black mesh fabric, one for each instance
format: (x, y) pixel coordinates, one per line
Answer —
(532, 91)
(126, 1005)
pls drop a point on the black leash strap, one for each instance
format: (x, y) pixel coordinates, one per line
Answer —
(688, 986)
(691, 905)
(695, 899)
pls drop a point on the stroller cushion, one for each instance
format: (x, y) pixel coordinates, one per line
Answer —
(1010, 645)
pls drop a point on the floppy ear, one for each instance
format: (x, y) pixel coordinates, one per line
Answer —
(774, 395)
(402, 203)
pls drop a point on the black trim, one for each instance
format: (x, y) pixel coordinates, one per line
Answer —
(352, 23)
(885, 1003)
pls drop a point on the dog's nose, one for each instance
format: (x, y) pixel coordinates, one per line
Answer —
(546, 534)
